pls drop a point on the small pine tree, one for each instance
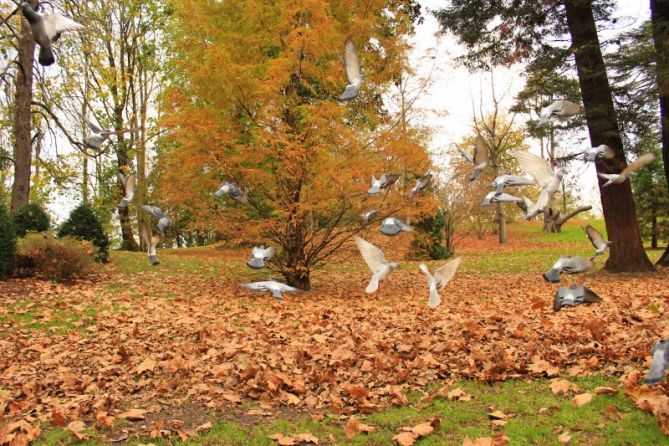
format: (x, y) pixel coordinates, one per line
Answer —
(430, 238)
(7, 242)
(30, 218)
(83, 224)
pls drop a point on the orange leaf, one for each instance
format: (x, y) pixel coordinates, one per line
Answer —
(582, 399)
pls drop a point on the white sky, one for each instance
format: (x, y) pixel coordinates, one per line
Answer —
(447, 103)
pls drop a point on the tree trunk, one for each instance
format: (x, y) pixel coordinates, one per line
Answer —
(501, 217)
(627, 252)
(22, 116)
(660, 20)
(553, 222)
(653, 227)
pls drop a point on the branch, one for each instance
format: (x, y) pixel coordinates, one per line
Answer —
(570, 214)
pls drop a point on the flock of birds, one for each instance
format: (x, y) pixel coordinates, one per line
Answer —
(47, 28)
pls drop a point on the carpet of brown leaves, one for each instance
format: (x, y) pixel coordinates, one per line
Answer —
(154, 343)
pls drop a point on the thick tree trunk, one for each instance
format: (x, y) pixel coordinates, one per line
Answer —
(660, 20)
(22, 117)
(627, 252)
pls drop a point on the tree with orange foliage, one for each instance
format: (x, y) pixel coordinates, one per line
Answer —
(253, 102)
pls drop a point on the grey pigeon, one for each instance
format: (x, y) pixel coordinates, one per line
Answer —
(574, 295)
(392, 226)
(617, 178)
(493, 197)
(601, 151)
(99, 136)
(480, 158)
(442, 276)
(353, 74)
(597, 240)
(569, 265)
(259, 256)
(369, 215)
(421, 184)
(128, 190)
(232, 191)
(151, 243)
(164, 222)
(46, 29)
(558, 111)
(388, 179)
(377, 263)
(270, 285)
(545, 177)
(658, 367)
(502, 181)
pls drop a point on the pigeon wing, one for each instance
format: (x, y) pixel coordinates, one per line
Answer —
(466, 155)
(351, 63)
(445, 273)
(638, 163)
(590, 296)
(536, 166)
(55, 24)
(129, 187)
(94, 128)
(481, 151)
(659, 365)
(372, 255)
(595, 237)
(608, 153)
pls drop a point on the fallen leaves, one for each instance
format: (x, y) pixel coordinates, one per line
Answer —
(458, 395)
(498, 440)
(564, 438)
(582, 399)
(354, 427)
(284, 440)
(78, 429)
(409, 435)
(133, 414)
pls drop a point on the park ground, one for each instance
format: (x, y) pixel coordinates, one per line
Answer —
(179, 354)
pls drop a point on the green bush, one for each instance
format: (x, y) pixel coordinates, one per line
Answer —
(30, 218)
(430, 238)
(42, 255)
(83, 224)
(7, 242)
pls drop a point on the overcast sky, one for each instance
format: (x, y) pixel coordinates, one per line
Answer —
(447, 102)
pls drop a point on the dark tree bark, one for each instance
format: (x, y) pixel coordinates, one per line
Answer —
(627, 252)
(660, 22)
(22, 116)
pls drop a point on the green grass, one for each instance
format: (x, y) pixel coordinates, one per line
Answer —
(521, 400)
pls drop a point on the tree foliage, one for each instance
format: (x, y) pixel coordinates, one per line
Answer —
(7, 242)
(253, 102)
(30, 218)
(83, 224)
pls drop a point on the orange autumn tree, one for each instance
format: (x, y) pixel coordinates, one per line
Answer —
(254, 102)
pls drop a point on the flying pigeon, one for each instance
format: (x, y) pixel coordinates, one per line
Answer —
(377, 263)
(442, 276)
(270, 285)
(421, 184)
(164, 222)
(493, 197)
(352, 67)
(369, 215)
(151, 245)
(558, 110)
(597, 240)
(502, 181)
(480, 158)
(128, 190)
(99, 136)
(259, 256)
(233, 191)
(543, 174)
(574, 295)
(388, 179)
(640, 162)
(601, 151)
(46, 29)
(569, 265)
(392, 226)
(658, 367)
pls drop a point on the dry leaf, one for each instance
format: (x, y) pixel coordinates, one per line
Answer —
(559, 386)
(564, 438)
(605, 390)
(405, 438)
(497, 414)
(582, 399)
(204, 427)
(77, 428)
(146, 366)
(132, 415)
(458, 394)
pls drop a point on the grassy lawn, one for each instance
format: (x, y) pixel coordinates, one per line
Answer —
(535, 415)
